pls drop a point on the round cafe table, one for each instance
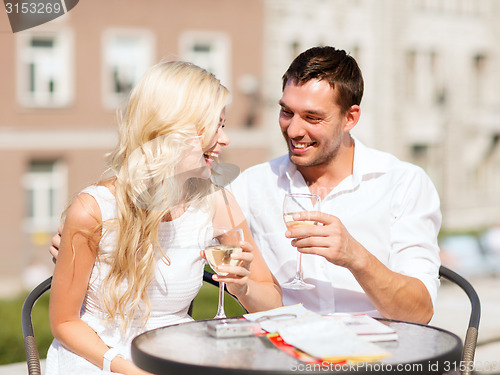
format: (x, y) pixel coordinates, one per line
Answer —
(188, 349)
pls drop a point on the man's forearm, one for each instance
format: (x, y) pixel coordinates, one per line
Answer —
(395, 296)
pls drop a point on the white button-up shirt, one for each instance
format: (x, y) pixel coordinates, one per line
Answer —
(389, 206)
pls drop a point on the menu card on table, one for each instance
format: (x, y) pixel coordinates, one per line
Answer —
(329, 338)
(366, 327)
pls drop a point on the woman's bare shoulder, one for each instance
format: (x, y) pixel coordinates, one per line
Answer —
(84, 210)
(109, 183)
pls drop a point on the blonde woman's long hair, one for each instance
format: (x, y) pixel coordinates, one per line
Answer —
(173, 111)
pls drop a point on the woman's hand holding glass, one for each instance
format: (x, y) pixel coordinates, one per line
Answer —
(236, 276)
(230, 257)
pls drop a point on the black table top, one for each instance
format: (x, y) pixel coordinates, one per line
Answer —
(188, 349)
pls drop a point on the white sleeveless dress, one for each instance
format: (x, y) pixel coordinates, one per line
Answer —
(170, 293)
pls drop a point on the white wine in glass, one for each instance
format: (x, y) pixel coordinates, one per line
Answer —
(290, 223)
(218, 255)
(220, 243)
(292, 204)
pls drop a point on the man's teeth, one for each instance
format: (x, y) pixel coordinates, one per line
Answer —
(300, 145)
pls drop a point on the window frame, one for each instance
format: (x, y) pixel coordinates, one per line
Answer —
(63, 52)
(110, 98)
(42, 213)
(221, 55)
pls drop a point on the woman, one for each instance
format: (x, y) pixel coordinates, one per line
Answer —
(129, 258)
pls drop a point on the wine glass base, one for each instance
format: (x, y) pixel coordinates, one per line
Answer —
(221, 314)
(297, 284)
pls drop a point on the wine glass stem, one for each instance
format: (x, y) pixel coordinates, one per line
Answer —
(220, 309)
(298, 273)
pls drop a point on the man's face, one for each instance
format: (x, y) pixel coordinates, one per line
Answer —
(311, 122)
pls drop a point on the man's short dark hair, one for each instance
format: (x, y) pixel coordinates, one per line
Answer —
(335, 66)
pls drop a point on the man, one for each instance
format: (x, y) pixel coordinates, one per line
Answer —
(376, 250)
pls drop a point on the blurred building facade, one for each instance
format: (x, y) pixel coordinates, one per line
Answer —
(430, 84)
(61, 83)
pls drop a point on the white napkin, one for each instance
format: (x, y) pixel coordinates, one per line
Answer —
(319, 336)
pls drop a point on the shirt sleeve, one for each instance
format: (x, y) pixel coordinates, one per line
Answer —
(415, 227)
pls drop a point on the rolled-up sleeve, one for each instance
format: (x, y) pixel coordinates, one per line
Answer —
(416, 223)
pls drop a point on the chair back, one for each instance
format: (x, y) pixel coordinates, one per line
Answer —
(32, 356)
(467, 364)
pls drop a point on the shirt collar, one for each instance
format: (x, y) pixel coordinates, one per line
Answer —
(297, 181)
(365, 163)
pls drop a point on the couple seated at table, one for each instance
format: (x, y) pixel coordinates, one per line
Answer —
(130, 256)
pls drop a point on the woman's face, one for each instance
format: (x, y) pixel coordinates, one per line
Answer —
(219, 140)
(196, 161)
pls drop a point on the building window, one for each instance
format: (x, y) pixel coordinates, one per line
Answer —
(436, 83)
(127, 55)
(480, 78)
(45, 187)
(410, 72)
(295, 49)
(45, 66)
(210, 50)
(419, 151)
(424, 80)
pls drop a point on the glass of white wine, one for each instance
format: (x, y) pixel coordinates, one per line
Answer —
(292, 204)
(220, 243)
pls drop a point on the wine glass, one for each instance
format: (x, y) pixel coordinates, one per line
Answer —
(292, 204)
(220, 243)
